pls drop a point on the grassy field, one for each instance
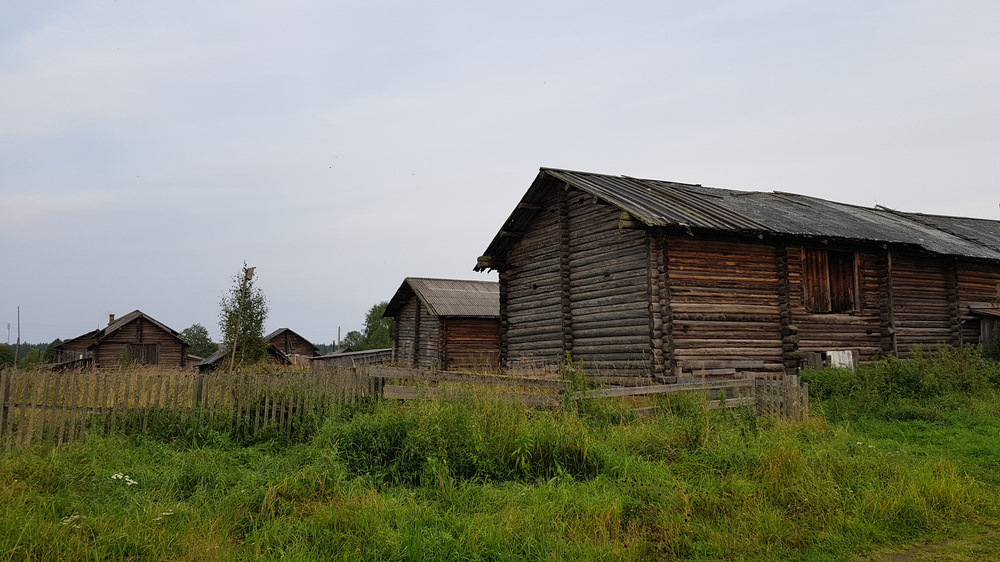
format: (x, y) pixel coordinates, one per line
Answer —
(901, 454)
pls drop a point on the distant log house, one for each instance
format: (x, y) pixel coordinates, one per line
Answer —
(661, 280)
(298, 349)
(135, 338)
(446, 323)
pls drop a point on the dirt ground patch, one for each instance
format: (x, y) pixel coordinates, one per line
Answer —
(978, 548)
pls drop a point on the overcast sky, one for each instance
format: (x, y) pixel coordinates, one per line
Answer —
(148, 149)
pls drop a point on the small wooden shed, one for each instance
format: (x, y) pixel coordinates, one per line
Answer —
(295, 347)
(446, 323)
(222, 357)
(135, 338)
(661, 280)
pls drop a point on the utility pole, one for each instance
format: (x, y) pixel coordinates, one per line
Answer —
(17, 350)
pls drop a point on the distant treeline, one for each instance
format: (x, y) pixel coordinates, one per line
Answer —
(28, 354)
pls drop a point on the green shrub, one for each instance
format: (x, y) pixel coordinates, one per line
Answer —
(917, 388)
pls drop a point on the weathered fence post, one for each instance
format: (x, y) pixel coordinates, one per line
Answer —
(5, 397)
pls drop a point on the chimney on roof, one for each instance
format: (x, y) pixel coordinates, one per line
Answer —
(111, 319)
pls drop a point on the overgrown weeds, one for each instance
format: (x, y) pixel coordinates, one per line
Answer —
(492, 480)
(921, 388)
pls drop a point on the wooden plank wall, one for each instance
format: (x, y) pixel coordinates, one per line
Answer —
(112, 349)
(979, 287)
(824, 332)
(471, 343)
(724, 303)
(922, 310)
(609, 292)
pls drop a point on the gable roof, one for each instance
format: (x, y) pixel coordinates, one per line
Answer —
(448, 297)
(120, 323)
(96, 336)
(695, 208)
(87, 338)
(282, 331)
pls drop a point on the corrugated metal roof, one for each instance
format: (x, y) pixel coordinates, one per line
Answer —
(657, 203)
(980, 231)
(449, 297)
(698, 208)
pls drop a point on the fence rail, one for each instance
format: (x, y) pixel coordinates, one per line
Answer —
(57, 407)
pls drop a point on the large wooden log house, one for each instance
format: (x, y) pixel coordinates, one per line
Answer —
(661, 280)
(446, 323)
(135, 338)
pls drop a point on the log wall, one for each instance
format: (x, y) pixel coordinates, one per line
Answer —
(417, 336)
(404, 342)
(293, 344)
(978, 287)
(925, 309)
(724, 300)
(607, 289)
(531, 302)
(859, 329)
(113, 349)
(658, 305)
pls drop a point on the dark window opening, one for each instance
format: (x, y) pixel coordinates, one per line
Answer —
(829, 281)
(142, 353)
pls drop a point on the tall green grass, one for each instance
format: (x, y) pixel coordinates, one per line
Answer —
(921, 388)
(491, 480)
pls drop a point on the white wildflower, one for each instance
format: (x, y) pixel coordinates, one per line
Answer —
(73, 520)
(128, 479)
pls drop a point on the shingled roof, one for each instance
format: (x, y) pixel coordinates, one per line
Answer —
(448, 297)
(695, 208)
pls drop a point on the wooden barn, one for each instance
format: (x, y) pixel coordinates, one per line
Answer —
(132, 339)
(295, 347)
(446, 323)
(663, 280)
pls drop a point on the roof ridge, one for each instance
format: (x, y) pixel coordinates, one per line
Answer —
(915, 218)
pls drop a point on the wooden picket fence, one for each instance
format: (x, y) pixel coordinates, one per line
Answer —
(57, 407)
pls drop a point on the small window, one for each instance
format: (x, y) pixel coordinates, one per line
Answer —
(829, 281)
(142, 353)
